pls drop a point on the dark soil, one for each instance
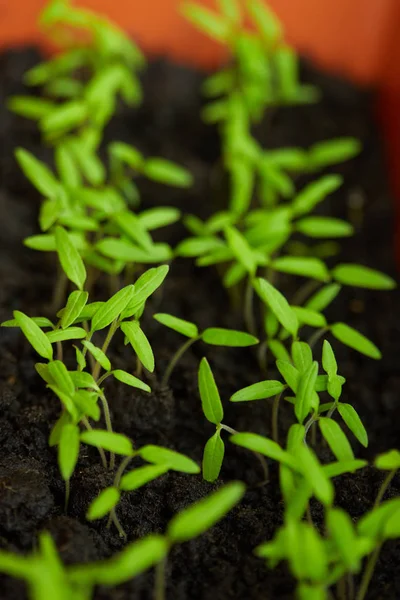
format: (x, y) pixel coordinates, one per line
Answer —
(220, 564)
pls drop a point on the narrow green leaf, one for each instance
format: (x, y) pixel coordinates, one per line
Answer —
(341, 529)
(302, 356)
(68, 450)
(353, 422)
(309, 267)
(145, 286)
(108, 440)
(266, 21)
(336, 439)
(323, 298)
(315, 475)
(61, 377)
(37, 172)
(241, 249)
(328, 359)
(154, 218)
(98, 354)
(62, 335)
(324, 227)
(213, 457)
(41, 322)
(167, 172)
(389, 461)
(105, 501)
(199, 517)
(131, 380)
(207, 21)
(34, 335)
(173, 460)
(279, 351)
(75, 304)
(278, 304)
(70, 258)
(140, 476)
(305, 392)
(139, 343)
(312, 318)
(209, 394)
(331, 152)
(120, 249)
(353, 338)
(198, 246)
(364, 277)
(314, 193)
(339, 468)
(258, 391)
(130, 225)
(184, 327)
(228, 337)
(264, 446)
(289, 373)
(112, 309)
(67, 167)
(81, 379)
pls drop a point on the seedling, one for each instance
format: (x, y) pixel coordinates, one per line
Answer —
(215, 336)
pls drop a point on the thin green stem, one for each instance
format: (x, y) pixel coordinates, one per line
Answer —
(107, 341)
(101, 451)
(275, 417)
(384, 487)
(248, 307)
(114, 519)
(67, 494)
(259, 456)
(117, 480)
(104, 377)
(60, 291)
(159, 581)
(304, 292)
(369, 571)
(107, 417)
(262, 357)
(124, 464)
(175, 359)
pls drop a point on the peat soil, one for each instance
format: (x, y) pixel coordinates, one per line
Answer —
(220, 564)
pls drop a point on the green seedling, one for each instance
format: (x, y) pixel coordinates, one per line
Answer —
(215, 336)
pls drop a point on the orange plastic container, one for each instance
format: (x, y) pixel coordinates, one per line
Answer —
(357, 38)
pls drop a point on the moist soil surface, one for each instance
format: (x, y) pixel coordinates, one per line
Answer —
(220, 564)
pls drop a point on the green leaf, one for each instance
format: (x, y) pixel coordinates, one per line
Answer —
(108, 440)
(81, 379)
(309, 267)
(278, 350)
(336, 439)
(75, 304)
(64, 117)
(339, 468)
(61, 377)
(264, 446)
(341, 530)
(353, 422)
(305, 392)
(34, 335)
(130, 225)
(49, 213)
(145, 286)
(324, 227)
(67, 167)
(68, 450)
(209, 394)
(197, 246)
(39, 321)
(154, 218)
(66, 401)
(278, 304)
(62, 335)
(373, 524)
(127, 154)
(354, 339)
(98, 354)
(331, 152)
(201, 516)
(173, 460)
(323, 298)
(231, 9)
(140, 476)
(70, 258)
(389, 461)
(184, 327)
(241, 249)
(314, 193)
(228, 337)
(314, 473)
(132, 561)
(213, 457)
(112, 309)
(207, 21)
(312, 318)
(103, 504)
(289, 373)
(302, 356)
(139, 343)
(30, 107)
(266, 20)
(131, 380)
(328, 359)
(167, 172)
(87, 403)
(37, 172)
(364, 277)
(258, 391)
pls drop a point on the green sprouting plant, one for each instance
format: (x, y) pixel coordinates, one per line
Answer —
(46, 576)
(80, 390)
(214, 336)
(262, 73)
